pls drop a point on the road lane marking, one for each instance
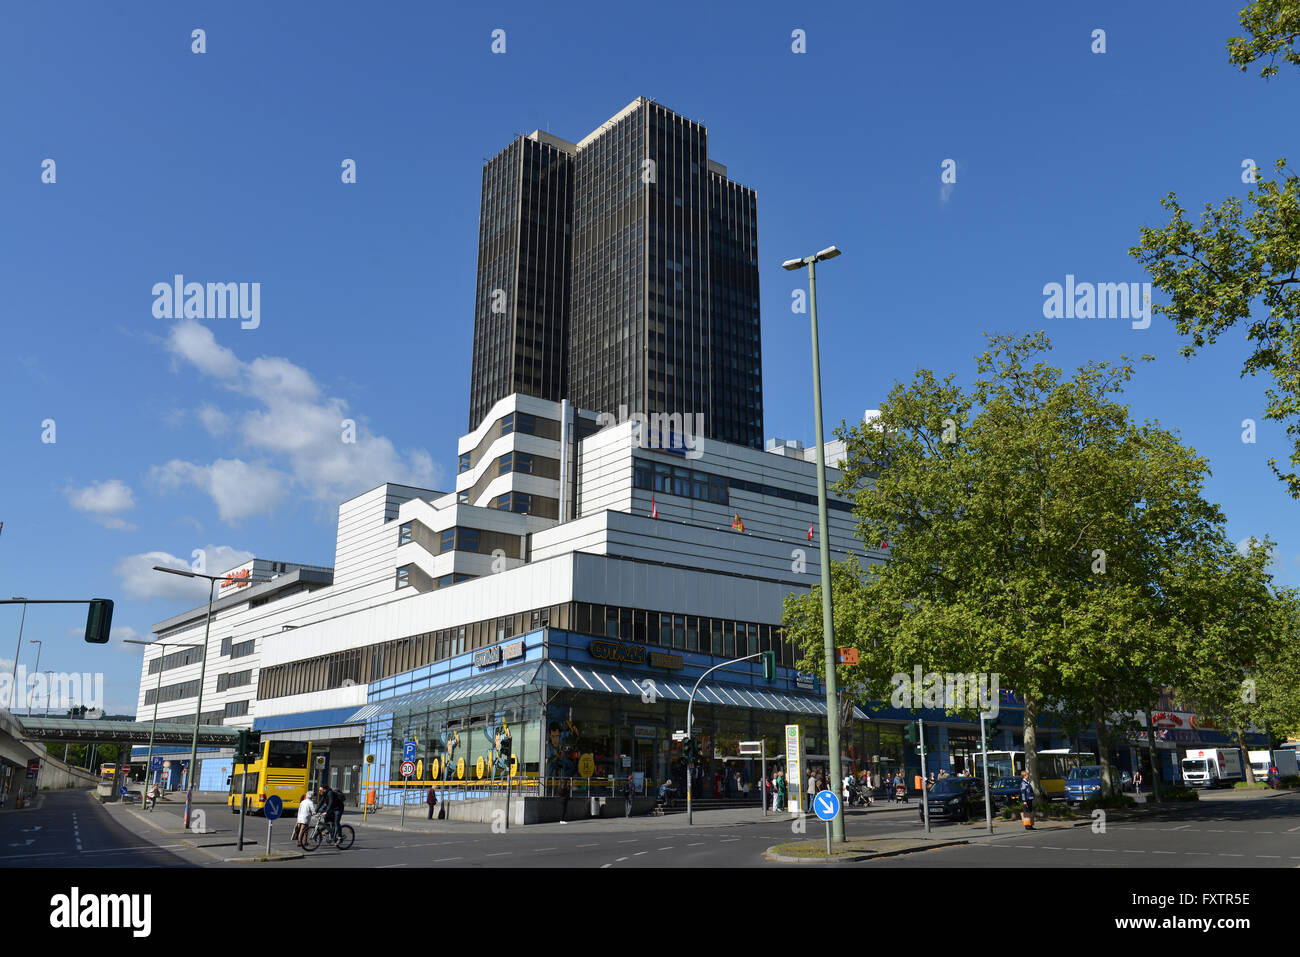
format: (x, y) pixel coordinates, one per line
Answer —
(668, 848)
(620, 859)
(545, 849)
(441, 859)
(1230, 855)
(631, 840)
(499, 854)
(639, 853)
(382, 866)
(597, 844)
(726, 839)
(1278, 856)
(1164, 852)
(603, 866)
(1127, 851)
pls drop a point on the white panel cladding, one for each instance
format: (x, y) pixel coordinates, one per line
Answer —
(602, 579)
(512, 442)
(350, 697)
(366, 538)
(519, 589)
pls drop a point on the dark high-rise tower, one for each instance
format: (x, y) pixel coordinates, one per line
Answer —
(521, 303)
(661, 253)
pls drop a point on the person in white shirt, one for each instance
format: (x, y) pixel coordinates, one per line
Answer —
(305, 810)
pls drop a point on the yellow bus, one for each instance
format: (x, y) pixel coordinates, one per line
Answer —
(1053, 766)
(107, 771)
(282, 769)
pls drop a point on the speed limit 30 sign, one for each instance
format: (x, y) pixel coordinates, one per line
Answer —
(408, 768)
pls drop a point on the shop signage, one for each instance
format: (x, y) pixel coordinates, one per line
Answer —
(603, 649)
(846, 656)
(513, 650)
(487, 656)
(794, 766)
(643, 731)
(805, 680)
(237, 579)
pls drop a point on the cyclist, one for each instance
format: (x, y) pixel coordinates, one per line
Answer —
(331, 806)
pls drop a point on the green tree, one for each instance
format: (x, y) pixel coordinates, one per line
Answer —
(1235, 268)
(1027, 522)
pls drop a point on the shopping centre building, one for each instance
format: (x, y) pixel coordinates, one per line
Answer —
(591, 563)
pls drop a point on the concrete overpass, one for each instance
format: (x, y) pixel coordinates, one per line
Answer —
(21, 741)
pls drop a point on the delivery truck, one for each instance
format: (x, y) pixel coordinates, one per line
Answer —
(1212, 767)
(1283, 760)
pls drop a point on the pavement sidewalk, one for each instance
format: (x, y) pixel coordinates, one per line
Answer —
(214, 829)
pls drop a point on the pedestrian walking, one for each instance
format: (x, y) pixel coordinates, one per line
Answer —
(431, 799)
(629, 789)
(1027, 799)
(812, 789)
(305, 810)
(782, 793)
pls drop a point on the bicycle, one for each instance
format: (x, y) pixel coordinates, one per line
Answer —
(319, 832)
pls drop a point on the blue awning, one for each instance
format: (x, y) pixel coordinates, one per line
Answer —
(583, 678)
(495, 682)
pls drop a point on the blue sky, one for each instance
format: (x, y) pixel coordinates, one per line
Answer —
(225, 166)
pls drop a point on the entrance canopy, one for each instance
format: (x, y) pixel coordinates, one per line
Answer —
(494, 682)
(721, 693)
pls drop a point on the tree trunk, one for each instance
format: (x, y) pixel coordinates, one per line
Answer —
(1155, 758)
(1103, 753)
(1245, 756)
(1031, 746)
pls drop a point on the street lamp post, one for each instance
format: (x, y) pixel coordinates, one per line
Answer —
(148, 764)
(828, 623)
(48, 672)
(203, 670)
(37, 642)
(13, 683)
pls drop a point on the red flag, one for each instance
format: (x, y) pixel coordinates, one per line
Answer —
(810, 531)
(737, 525)
(654, 509)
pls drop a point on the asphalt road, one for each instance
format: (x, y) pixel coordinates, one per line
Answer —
(1222, 830)
(72, 829)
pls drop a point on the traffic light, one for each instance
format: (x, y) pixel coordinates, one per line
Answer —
(769, 665)
(991, 728)
(254, 745)
(691, 750)
(505, 747)
(99, 620)
(909, 733)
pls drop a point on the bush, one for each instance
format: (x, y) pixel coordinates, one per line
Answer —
(1114, 801)
(1173, 792)
(1289, 782)
(1250, 787)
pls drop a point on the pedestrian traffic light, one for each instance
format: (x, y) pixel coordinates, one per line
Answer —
(99, 620)
(769, 665)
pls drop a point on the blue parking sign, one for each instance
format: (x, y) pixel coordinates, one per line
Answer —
(408, 751)
(827, 805)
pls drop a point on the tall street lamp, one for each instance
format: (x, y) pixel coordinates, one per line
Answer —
(48, 672)
(828, 622)
(37, 643)
(148, 764)
(13, 683)
(203, 671)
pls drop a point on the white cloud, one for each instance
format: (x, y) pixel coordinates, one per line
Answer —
(139, 580)
(214, 420)
(102, 500)
(239, 489)
(297, 428)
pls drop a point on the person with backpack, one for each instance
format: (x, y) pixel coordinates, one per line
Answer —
(331, 805)
(431, 799)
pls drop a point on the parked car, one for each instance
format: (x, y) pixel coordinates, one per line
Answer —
(1004, 791)
(1084, 782)
(957, 799)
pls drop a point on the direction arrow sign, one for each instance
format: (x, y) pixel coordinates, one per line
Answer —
(408, 768)
(827, 805)
(122, 790)
(274, 807)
